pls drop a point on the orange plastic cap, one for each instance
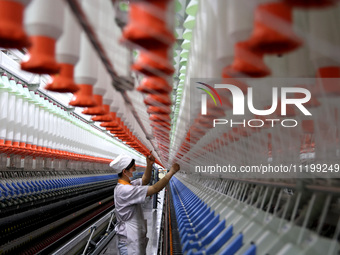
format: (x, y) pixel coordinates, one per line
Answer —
(147, 25)
(98, 109)
(104, 118)
(83, 97)
(159, 110)
(12, 33)
(41, 56)
(63, 82)
(246, 63)
(160, 117)
(308, 126)
(154, 84)
(154, 62)
(157, 100)
(328, 79)
(273, 31)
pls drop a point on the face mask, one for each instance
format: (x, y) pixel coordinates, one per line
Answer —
(134, 176)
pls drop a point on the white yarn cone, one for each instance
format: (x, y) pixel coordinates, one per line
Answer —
(240, 16)
(44, 17)
(67, 50)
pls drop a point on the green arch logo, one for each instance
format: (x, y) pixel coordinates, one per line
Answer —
(209, 93)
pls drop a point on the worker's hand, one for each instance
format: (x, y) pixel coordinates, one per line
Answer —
(150, 159)
(175, 168)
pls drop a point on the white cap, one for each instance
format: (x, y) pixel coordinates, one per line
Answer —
(121, 162)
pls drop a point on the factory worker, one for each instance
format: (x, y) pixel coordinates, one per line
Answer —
(129, 197)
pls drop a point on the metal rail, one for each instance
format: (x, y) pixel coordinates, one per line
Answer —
(81, 238)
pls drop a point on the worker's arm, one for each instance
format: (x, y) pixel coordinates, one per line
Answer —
(147, 174)
(158, 186)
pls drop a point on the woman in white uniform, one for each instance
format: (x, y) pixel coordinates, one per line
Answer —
(128, 198)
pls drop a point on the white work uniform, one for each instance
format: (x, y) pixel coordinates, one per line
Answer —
(131, 226)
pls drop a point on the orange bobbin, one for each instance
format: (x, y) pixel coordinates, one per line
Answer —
(110, 125)
(328, 79)
(308, 126)
(113, 123)
(2, 145)
(96, 110)
(63, 82)
(154, 84)
(159, 110)
(160, 117)
(157, 128)
(157, 100)
(104, 118)
(161, 124)
(41, 56)
(273, 31)
(154, 62)
(12, 33)
(246, 63)
(83, 97)
(147, 24)
(114, 129)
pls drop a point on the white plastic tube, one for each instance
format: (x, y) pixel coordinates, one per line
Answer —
(10, 111)
(324, 36)
(36, 119)
(67, 50)
(53, 122)
(41, 125)
(108, 97)
(48, 126)
(25, 115)
(18, 111)
(44, 17)
(59, 130)
(31, 117)
(101, 85)
(3, 110)
(240, 19)
(86, 70)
